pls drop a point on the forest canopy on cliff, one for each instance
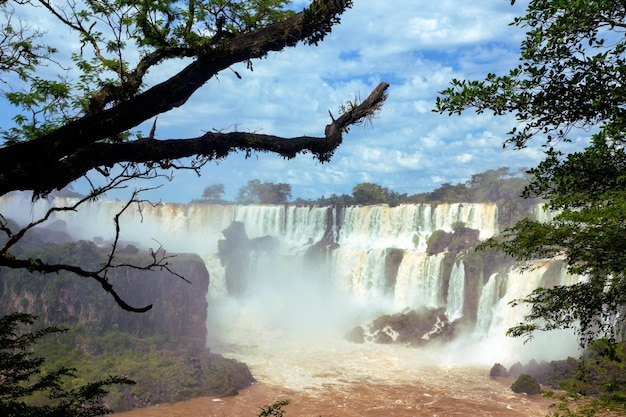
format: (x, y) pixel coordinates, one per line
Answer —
(499, 185)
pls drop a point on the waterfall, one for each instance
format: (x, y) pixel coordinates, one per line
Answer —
(365, 256)
(420, 281)
(361, 274)
(456, 292)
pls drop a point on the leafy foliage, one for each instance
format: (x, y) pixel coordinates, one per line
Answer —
(492, 186)
(166, 369)
(110, 32)
(274, 410)
(571, 75)
(527, 384)
(23, 377)
(585, 190)
(367, 193)
(213, 193)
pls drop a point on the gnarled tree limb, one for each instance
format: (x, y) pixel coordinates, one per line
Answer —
(52, 173)
(20, 164)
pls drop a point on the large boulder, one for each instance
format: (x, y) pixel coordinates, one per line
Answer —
(413, 327)
(498, 371)
(356, 335)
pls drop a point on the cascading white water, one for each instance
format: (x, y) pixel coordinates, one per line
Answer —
(408, 226)
(488, 298)
(360, 273)
(456, 292)
(372, 242)
(500, 290)
(419, 281)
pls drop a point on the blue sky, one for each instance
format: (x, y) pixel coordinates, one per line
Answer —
(416, 46)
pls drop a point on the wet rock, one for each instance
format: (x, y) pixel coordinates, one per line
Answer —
(235, 254)
(356, 335)
(414, 327)
(225, 377)
(498, 370)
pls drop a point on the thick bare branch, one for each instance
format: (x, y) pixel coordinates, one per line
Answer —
(19, 162)
(51, 174)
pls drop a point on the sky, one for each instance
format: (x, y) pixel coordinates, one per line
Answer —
(415, 46)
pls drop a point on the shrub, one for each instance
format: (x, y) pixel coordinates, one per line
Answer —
(526, 383)
(438, 242)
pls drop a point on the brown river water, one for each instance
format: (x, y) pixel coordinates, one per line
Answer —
(459, 392)
(336, 378)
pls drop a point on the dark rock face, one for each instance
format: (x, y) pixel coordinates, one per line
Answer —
(393, 259)
(179, 307)
(356, 335)
(234, 252)
(464, 238)
(598, 372)
(497, 371)
(551, 373)
(461, 239)
(415, 328)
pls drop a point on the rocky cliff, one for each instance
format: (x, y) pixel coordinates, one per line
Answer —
(179, 307)
(163, 350)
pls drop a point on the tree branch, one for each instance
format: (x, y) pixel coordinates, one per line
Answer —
(51, 174)
(158, 257)
(37, 265)
(22, 160)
